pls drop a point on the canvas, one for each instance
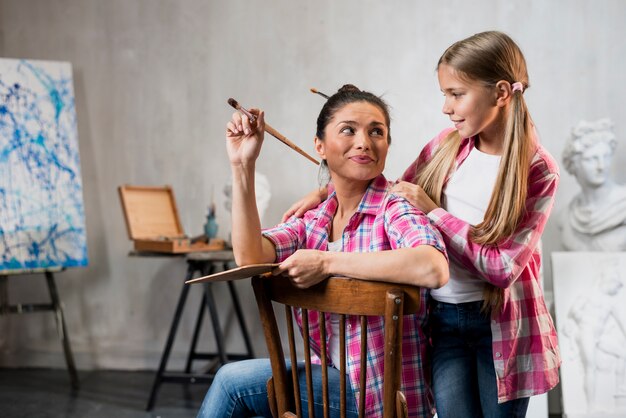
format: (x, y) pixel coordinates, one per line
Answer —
(589, 299)
(42, 221)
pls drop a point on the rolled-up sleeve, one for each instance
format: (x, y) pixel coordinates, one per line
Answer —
(286, 237)
(408, 227)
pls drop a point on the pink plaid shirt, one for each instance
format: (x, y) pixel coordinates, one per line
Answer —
(525, 349)
(383, 221)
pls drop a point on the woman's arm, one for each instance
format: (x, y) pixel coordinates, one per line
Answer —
(423, 266)
(243, 143)
(416, 255)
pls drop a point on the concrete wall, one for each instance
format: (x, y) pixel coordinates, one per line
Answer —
(152, 78)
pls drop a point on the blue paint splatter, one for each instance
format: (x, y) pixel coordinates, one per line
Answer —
(42, 221)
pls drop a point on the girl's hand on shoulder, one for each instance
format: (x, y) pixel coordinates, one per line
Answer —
(305, 268)
(308, 202)
(415, 195)
(244, 138)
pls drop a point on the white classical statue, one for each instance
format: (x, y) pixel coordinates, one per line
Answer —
(595, 219)
(596, 324)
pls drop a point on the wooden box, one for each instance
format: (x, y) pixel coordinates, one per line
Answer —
(153, 223)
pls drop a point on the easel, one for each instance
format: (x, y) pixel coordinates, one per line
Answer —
(54, 306)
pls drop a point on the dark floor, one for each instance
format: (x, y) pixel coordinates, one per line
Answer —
(46, 393)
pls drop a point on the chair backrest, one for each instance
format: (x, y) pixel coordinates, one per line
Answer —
(341, 296)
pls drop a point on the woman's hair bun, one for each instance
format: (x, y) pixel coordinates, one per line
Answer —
(349, 88)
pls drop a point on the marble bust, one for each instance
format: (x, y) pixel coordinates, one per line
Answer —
(595, 219)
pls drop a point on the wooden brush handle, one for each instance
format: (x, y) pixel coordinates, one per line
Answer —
(234, 103)
(287, 142)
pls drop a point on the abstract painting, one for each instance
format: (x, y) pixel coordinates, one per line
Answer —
(42, 220)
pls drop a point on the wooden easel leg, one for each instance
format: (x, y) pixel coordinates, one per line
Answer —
(4, 294)
(62, 330)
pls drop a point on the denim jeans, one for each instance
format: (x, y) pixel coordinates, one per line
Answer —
(239, 390)
(464, 378)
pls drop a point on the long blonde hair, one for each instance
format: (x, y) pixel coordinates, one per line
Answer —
(489, 57)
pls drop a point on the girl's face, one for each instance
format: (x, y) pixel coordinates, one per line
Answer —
(356, 142)
(471, 106)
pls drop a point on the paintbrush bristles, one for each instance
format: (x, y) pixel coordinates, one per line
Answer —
(242, 109)
(314, 90)
(233, 103)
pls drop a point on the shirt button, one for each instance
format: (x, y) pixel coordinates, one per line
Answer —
(498, 354)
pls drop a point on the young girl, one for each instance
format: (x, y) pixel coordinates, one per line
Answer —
(360, 231)
(488, 186)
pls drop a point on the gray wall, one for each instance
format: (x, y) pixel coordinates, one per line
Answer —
(152, 78)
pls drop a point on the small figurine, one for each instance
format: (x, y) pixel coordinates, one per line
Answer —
(210, 227)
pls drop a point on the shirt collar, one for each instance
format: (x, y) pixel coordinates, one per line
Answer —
(370, 202)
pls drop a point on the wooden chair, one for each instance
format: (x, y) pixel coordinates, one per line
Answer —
(345, 297)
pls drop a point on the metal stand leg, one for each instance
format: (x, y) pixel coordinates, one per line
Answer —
(242, 324)
(170, 338)
(196, 334)
(62, 329)
(217, 330)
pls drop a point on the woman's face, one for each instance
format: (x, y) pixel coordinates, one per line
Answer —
(356, 142)
(593, 165)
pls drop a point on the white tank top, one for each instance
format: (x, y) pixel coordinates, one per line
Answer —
(334, 347)
(467, 197)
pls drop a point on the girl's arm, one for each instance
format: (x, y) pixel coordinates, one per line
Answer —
(243, 143)
(314, 198)
(498, 264)
(308, 202)
(502, 264)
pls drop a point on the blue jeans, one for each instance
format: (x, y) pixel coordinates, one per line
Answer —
(240, 390)
(464, 378)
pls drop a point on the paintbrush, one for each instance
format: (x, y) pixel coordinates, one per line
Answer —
(314, 90)
(271, 130)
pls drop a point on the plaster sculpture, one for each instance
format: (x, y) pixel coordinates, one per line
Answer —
(263, 194)
(595, 219)
(592, 329)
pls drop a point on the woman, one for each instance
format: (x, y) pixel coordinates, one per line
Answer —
(361, 230)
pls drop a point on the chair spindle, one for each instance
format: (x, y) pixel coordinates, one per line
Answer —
(342, 366)
(307, 361)
(363, 365)
(294, 360)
